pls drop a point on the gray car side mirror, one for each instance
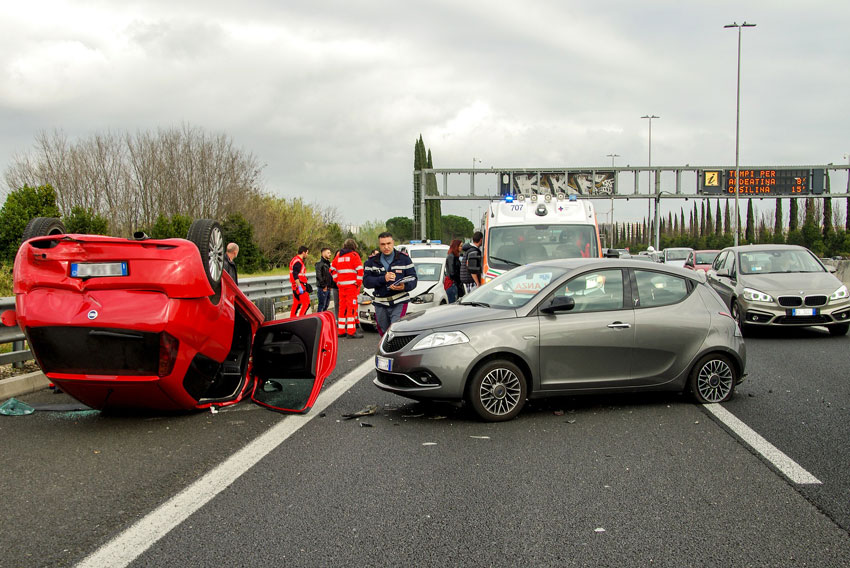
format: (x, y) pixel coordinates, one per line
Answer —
(559, 304)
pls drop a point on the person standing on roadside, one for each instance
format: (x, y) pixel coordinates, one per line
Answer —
(392, 274)
(347, 272)
(323, 279)
(230, 255)
(470, 268)
(301, 289)
(456, 290)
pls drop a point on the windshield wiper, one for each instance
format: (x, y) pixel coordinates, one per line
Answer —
(506, 261)
(477, 304)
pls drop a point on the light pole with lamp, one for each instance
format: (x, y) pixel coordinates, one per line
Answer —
(472, 177)
(649, 180)
(737, 218)
(612, 156)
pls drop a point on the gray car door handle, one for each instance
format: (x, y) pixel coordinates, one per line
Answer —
(619, 325)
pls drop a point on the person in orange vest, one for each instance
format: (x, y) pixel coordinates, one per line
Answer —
(347, 272)
(301, 289)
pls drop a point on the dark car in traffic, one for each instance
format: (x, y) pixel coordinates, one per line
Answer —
(563, 327)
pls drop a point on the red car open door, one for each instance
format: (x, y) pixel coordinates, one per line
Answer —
(291, 359)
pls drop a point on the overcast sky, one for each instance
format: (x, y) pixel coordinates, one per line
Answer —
(332, 95)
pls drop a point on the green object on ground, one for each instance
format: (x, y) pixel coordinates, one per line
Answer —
(14, 407)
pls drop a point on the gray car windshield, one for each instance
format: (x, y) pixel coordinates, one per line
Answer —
(778, 261)
(676, 254)
(522, 244)
(513, 289)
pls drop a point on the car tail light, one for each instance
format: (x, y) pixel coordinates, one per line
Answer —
(727, 314)
(168, 345)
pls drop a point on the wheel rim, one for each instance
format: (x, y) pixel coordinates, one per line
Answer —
(500, 391)
(216, 254)
(715, 380)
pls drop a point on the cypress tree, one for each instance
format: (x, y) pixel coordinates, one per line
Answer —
(435, 214)
(701, 219)
(778, 231)
(793, 216)
(695, 224)
(718, 220)
(827, 218)
(727, 220)
(417, 188)
(709, 222)
(751, 230)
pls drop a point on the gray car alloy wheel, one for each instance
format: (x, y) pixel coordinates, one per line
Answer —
(497, 392)
(216, 252)
(713, 379)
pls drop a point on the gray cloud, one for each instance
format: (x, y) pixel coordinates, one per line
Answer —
(332, 95)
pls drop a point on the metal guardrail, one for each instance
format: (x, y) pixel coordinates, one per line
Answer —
(276, 287)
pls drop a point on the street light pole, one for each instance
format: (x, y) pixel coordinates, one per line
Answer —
(738, 128)
(612, 156)
(649, 181)
(472, 177)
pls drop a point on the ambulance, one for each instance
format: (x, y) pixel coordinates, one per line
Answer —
(522, 229)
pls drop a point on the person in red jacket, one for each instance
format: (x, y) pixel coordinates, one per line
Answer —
(347, 272)
(301, 289)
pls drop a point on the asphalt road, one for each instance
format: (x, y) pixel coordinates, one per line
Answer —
(590, 481)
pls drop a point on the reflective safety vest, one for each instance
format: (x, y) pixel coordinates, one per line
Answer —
(297, 273)
(347, 269)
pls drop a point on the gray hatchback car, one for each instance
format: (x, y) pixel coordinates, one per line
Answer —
(565, 327)
(780, 285)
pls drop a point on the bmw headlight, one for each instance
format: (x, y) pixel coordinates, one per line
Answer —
(840, 294)
(423, 298)
(755, 296)
(441, 339)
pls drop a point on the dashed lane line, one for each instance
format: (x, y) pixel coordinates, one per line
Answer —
(789, 468)
(130, 544)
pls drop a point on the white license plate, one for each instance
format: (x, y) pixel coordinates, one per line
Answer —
(383, 363)
(803, 312)
(98, 269)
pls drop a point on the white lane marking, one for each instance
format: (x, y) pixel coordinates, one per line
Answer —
(130, 544)
(791, 469)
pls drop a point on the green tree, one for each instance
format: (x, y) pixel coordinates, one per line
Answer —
(718, 221)
(169, 227)
(812, 237)
(750, 234)
(84, 221)
(778, 236)
(20, 207)
(827, 218)
(235, 229)
(401, 228)
(367, 235)
(456, 227)
(434, 209)
(793, 216)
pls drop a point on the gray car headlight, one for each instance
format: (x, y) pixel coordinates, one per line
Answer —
(423, 298)
(752, 295)
(840, 294)
(441, 339)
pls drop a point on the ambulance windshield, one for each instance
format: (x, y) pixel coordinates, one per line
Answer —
(514, 246)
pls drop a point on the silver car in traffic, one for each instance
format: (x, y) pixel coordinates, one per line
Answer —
(567, 327)
(780, 285)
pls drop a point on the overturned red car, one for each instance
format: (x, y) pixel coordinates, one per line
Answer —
(157, 324)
